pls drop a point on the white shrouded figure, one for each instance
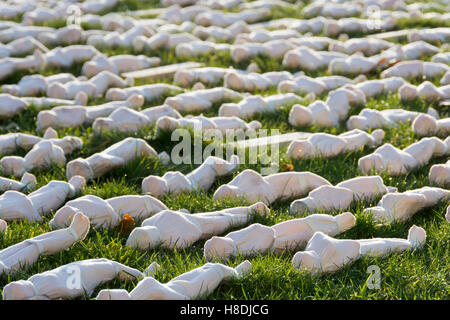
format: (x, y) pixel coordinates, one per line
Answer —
(18, 206)
(205, 75)
(117, 155)
(253, 105)
(324, 254)
(150, 92)
(116, 39)
(248, 82)
(194, 49)
(224, 19)
(190, 285)
(129, 120)
(426, 125)
(65, 57)
(20, 47)
(73, 116)
(176, 229)
(94, 87)
(287, 235)
(304, 84)
(118, 64)
(328, 113)
(279, 186)
(415, 69)
(24, 254)
(341, 196)
(308, 59)
(36, 84)
(107, 213)
(49, 150)
(201, 100)
(440, 174)
(9, 66)
(426, 90)
(394, 161)
(27, 182)
(61, 283)
(222, 124)
(200, 179)
(399, 207)
(325, 145)
(376, 119)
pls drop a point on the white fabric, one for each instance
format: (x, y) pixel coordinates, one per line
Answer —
(440, 174)
(176, 229)
(426, 125)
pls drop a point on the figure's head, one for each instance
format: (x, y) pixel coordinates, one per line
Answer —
(144, 238)
(19, 290)
(155, 186)
(219, 248)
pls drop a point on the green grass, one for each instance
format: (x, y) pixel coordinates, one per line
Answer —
(419, 274)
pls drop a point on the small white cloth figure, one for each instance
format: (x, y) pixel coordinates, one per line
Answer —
(372, 88)
(375, 119)
(325, 145)
(253, 105)
(65, 57)
(198, 48)
(394, 161)
(73, 116)
(287, 235)
(97, 6)
(248, 82)
(190, 285)
(415, 69)
(426, 125)
(18, 206)
(21, 47)
(116, 155)
(426, 90)
(324, 254)
(107, 213)
(224, 19)
(304, 84)
(72, 280)
(176, 229)
(94, 87)
(36, 84)
(126, 119)
(200, 179)
(368, 46)
(328, 113)
(3, 226)
(305, 58)
(329, 198)
(205, 124)
(205, 75)
(201, 100)
(150, 92)
(253, 187)
(24, 254)
(440, 174)
(27, 182)
(401, 207)
(118, 64)
(9, 66)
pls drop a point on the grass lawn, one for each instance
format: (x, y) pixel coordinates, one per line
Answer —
(420, 274)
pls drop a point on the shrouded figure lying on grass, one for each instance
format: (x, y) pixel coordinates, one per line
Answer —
(36, 84)
(328, 113)
(161, 40)
(49, 150)
(176, 229)
(27, 182)
(117, 155)
(304, 84)
(192, 49)
(440, 174)
(224, 19)
(9, 66)
(62, 282)
(324, 254)
(253, 105)
(372, 88)
(20, 47)
(426, 90)
(219, 34)
(118, 64)
(24, 254)
(254, 187)
(200, 179)
(201, 100)
(107, 213)
(15, 205)
(287, 235)
(368, 46)
(394, 161)
(426, 125)
(126, 119)
(376, 119)
(150, 92)
(65, 57)
(95, 87)
(206, 75)
(340, 197)
(167, 123)
(415, 69)
(399, 207)
(116, 39)
(248, 82)
(309, 59)
(74, 116)
(190, 285)
(326, 145)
